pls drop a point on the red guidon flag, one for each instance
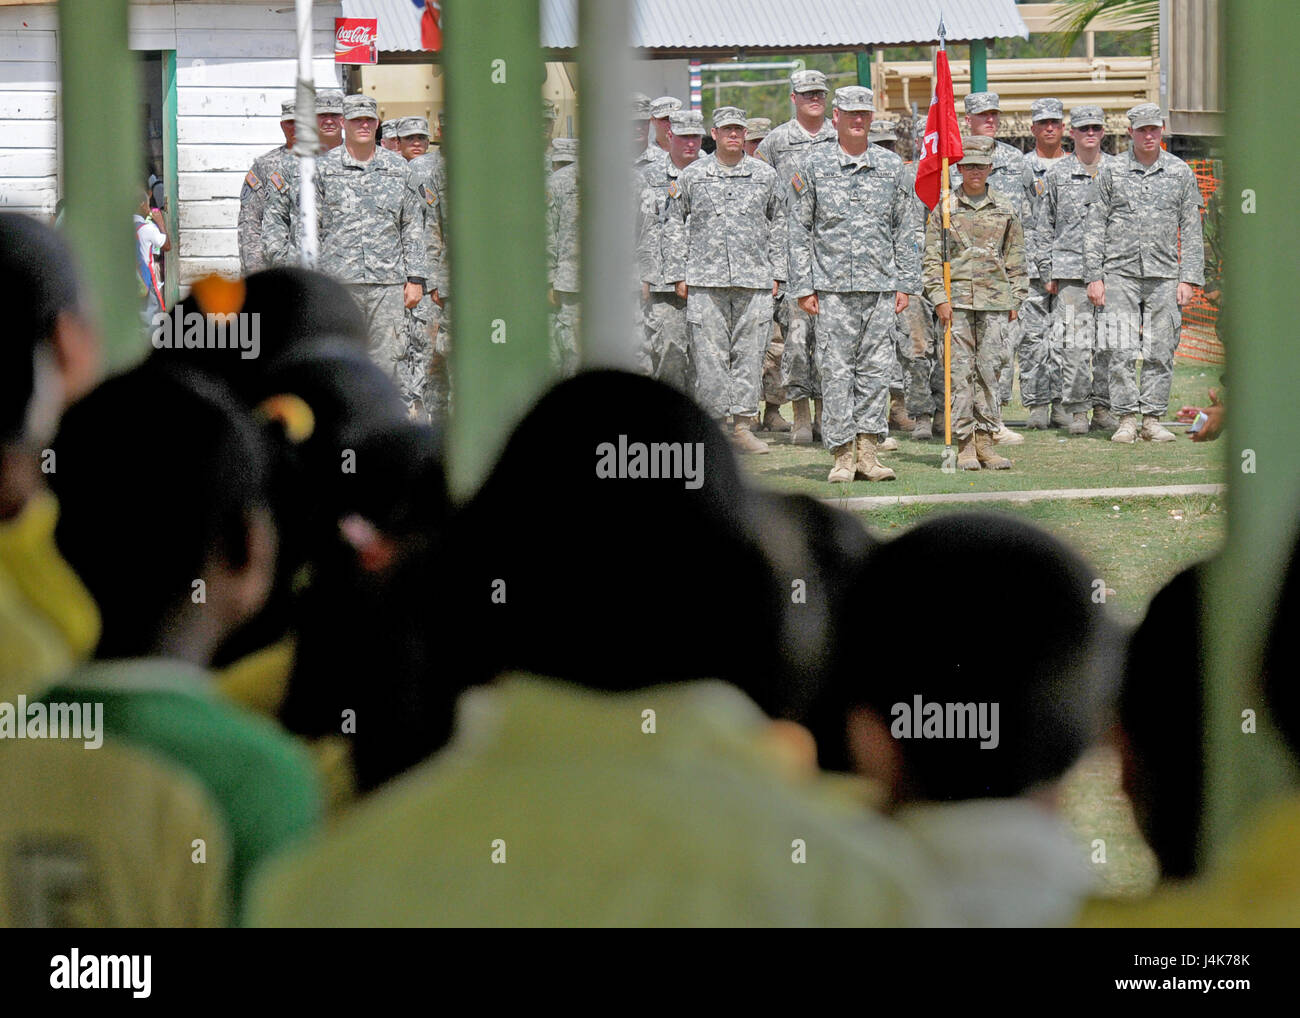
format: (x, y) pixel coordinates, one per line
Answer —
(942, 135)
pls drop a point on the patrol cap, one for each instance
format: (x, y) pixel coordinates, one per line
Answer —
(357, 106)
(387, 129)
(640, 106)
(757, 127)
(287, 109)
(409, 127)
(1047, 109)
(1146, 115)
(329, 100)
(982, 102)
(1083, 116)
(883, 130)
(686, 122)
(549, 110)
(726, 116)
(807, 81)
(564, 150)
(854, 99)
(976, 149)
(664, 106)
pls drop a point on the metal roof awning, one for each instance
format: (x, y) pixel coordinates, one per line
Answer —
(681, 27)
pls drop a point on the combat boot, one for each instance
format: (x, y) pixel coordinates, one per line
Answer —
(1127, 430)
(1103, 419)
(772, 419)
(985, 453)
(745, 439)
(1152, 431)
(802, 433)
(924, 430)
(898, 419)
(1079, 423)
(868, 466)
(1060, 419)
(1040, 417)
(843, 469)
(966, 457)
(817, 419)
(1005, 436)
(887, 444)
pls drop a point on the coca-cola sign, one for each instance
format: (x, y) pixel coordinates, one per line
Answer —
(356, 40)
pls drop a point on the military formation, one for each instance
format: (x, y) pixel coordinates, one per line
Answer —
(795, 264)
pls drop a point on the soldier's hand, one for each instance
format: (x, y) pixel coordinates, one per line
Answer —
(943, 312)
(810, 304)
(645, 292)
(900, 302)
(437, 298)
(681, 289)
(411, 294)
(1097, 293)
(1012, 315)
(1052, 287)
(1185, 291)
(776, 287)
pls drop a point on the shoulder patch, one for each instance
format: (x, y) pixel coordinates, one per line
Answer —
(798, 183)
(673, 189)
(252, 180)
(278, 181)
(429, 195)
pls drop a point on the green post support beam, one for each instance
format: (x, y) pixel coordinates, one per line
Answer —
(864, 67)
(170, 180)
(979, 66)
(496, 192)
(101, 170)
(1264, 374)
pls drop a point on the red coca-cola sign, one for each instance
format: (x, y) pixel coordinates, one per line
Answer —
(356, 40)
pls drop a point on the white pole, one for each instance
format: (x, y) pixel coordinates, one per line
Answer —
(305, 138)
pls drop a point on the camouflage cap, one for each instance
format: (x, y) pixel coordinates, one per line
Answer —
(726, 116)
(640, 106)
(1082, 116)
(410, 127)
(664, 106)
(1047, 109)
(387, 129)
(329, 100)
(357, 106)
(287, 109)
(686, 122)
(808, 81)
(564, 150)
(1146, 115)
(976, 149)
(982, 102)
(757, 127)
(854, 99)
(549, 110)
(883, 130)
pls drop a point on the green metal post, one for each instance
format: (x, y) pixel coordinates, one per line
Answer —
(102, 174)
(979, 67)
(864, 67)
(170, 180)
(496, 193)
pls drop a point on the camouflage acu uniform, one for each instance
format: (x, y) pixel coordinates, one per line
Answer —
(726, 237)
(429, 342)
(280, 233)
(1058, 249)
(1040, 360)
(562, 266)
(266, 177)
(785, 147)
(851, 244)
(372, 239)
(986, 249)
(1130, 242)
(665, 312)
(914, 328)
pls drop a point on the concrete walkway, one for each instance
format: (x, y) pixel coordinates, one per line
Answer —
(1042, 494)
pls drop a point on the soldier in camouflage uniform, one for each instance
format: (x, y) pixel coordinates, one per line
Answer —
(266, 176)
(412, 135)
(784, 148)
(774, 394)
(563, 152)
(388, 136)
(1040, 360)
(986, 249)
(372, 239)
(852, 263)
(281, 240)
(726, 249)
(429, 176)
(1135, 273)
(665, 311)
(1058, 248)
(562, 267)
(645, 154)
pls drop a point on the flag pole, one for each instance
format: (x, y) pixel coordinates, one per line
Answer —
(947, 281)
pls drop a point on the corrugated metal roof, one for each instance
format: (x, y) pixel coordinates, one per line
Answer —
(742, 24)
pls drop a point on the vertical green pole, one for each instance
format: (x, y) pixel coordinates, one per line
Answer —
(979, 66)
(1264, 484)
(864, 67)
(102, 165)
(500, 349)
(170, 181)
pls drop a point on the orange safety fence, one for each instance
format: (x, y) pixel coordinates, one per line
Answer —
(1199, 340)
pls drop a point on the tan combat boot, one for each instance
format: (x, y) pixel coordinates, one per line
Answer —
(966, 458)
(772, 419)
(1040, 417)
(898, 419)
(744, 437)
(988, 457)
(887, 444)
(1060, 419)
(924, 430)
(868, 466)
(1079, 423)
(1127, 430)
(1005, 436)
(1153, 431)
(802, 432)
(1103, 419)
(843, 469)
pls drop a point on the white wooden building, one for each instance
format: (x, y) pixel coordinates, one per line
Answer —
(212, 79)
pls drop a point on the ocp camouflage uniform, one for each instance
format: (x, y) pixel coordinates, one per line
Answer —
(1130, 242)
(665, 312)
(266, 177)
(851, 244)
(562, 266)
(1059, 252)
(1040, 359)
(726, 237)
(986, 249)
